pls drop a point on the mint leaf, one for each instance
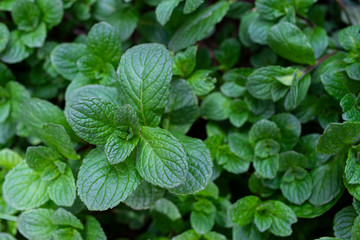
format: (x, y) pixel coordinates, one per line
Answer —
(201, 82)
(146, 84)
(5, 35)
(247, 232)
(93, 119)
(65, 218)
(202, 217)
(37, 224)
(198, 26)
(352, 168)
(161, 158)
(105, 42)
(349, 38)
(62, 190)
(200, 165)
(52, 11)
(338, 84)
(216, 107)
(290, 42)
(16, 50)
(39, 158)
(35, 38)
(297, 190)
(93, 229)
(24, 189)
(243, 210)
(118, 149)
(65, 56)
(192, 5)
(272, 9)
(267, 167)
(343, 222)
(101, 185)
(9, 159)
(67, 233)
(338, 137)
(144, 196)
(26, 15)
(165, 214)
(184, 62)
(290, 128)
(164, 10)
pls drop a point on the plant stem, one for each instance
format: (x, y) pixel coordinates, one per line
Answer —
(318, 62)
(343, 7)
(8, 217)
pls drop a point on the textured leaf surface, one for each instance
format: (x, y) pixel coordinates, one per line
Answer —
(62, 190)
(161, 158)
(144, 196)
(36, 224)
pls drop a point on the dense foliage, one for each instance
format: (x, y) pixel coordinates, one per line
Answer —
(183, 120)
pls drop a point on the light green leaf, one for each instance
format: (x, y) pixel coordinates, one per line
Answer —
(24, 189)
(6, 236)
(62, 190)
(145, 74)
(289, 42)
(184, 62)
(36, 224)
(117, 149)
(216, 107)
(267, 167)
(164, 10)
(202, 217)
(26, 15)
(290, 128)
(161, 158)
(9, 159)
(298, 190)
(93, 229)
(144, 196)
(67, 233)
(93, 119)
(57, 138)
(187, 235)
(262, 221)
(15, 51)
(200, 165)
(92, 66)
(271, 9)
(52, 11)
(201, 82)
(101, 185)
(243, 210)
(192, 5)
(198, 26)
(246, 232)
(65, 218)
(35, 38)
(105, 42)
(64, 58)
(264, 129)
(338, 137)
(165, 214)
(39, 157)
(349, 38)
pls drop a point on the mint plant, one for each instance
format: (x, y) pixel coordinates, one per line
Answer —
(181, 120)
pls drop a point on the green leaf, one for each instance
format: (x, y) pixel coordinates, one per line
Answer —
(164, 10)
(228, 54)
(9, 159)
(192, 5)
(67, 233)
(36, 224)
(93, 119)
(216, 107)
(5, 36)
(62, 190)
(352, 168)
(200, 165)
(202, 217)
(327, 181)
(262, 221)
(258, 30)
(15, 51)
(356, 229)
(181, 108)
(39, 157)
(92, 66)
(298, 190)
(65, 218)
(101, 185)
(165, 214)
(93, 229)
(338, 84)
(197, 27)
(6, 236)
(291, 43)
(24, 189)
(146, 84)
(246, 232)
(266, 80)
(349, 38)
(26, 15)
(271, 9)
(266, 148)
(338, 137)
(184, 62)
(290, 128)
(117, 149)
(65, 56)
(52, 11)
(37, 112)
(35, 38)
(264, 129)
(246, 20)
(105, 42)
(187, 235)
(267, 167)
(161, 158)
(201, 82)
(242, 212)
(318, 39)
(57, 138)
(144, 196)
(282, 217)
(353, 71)
(343, 222)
